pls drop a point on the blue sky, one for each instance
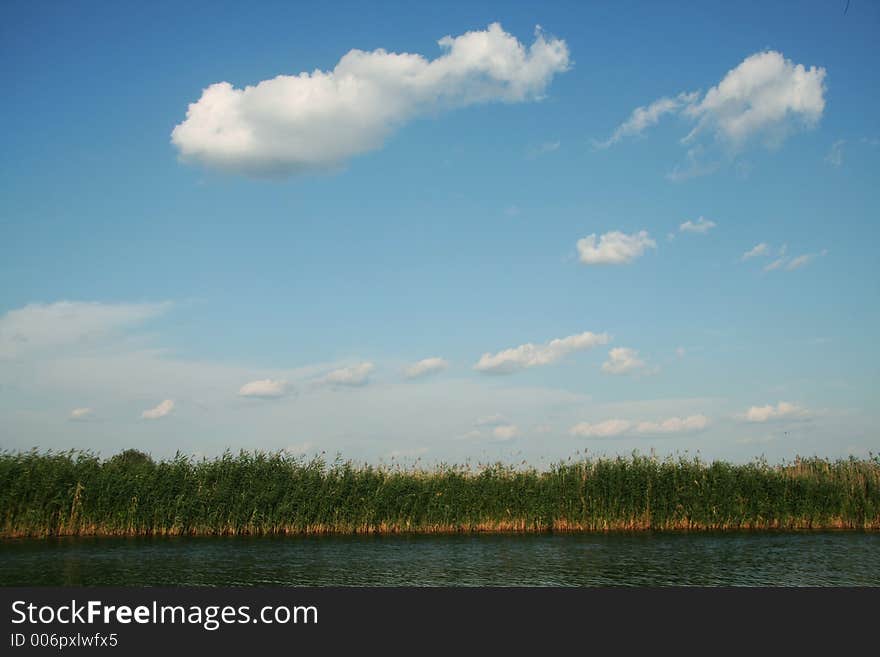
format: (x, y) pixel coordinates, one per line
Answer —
(320, 235)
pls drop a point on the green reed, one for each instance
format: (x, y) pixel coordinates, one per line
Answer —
(50, 493)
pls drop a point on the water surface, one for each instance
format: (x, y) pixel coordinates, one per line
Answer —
(638, 559)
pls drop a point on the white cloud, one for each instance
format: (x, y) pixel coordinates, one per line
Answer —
(491, 421)
(759, 250)
(835, 155)
(300, 449)
(766, 97)
(356, 375)
(623, 360)
(543, 149)
(701, 225)
(782, 410)
(788, 263)
(505, 432)
(264, 388)
(648, 116)
(674, 425)
(532, 355)
(163, 409)
(614, 248)
(42, 326)
(81, 414)
(776, 264)
(317, 121)
(618, 427)
(606, 429)
(500, 429)
(425, 367)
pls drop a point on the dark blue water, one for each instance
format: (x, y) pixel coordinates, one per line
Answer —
(739, 559)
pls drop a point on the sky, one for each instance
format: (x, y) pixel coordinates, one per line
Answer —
(460, 232)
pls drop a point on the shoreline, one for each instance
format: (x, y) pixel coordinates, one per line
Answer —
(804, 527)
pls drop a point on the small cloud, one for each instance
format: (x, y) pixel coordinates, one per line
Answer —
(512, 210)
(299, 450)
(264, 389)
(701, 226)
(680, 352)
(491, 421)
(757, 251)
(835, 155)
(357, 375)
(505, 432)
(532, 355)
(425, 367)
(606, 429)
(782, 410)
(543, 149)
(617, 427)
(614, 248)
(81, 414)
(623, 360)
(408, 453)
(163, 409)
(787, 263)
(674, 425)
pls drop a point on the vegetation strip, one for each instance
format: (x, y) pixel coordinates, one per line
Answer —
(77, 493)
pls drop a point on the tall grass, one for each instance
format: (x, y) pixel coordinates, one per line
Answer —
(43, 494)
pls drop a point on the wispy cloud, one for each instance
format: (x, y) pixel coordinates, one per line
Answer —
(544, 148)
(789, 263)
(534, 355)
(159, 411)
(757, 251)
(425, 367)
(44, 326)
(765, 98)
(835, 154)
(647, 116)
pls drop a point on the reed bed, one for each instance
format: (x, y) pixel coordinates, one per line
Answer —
(251, 493)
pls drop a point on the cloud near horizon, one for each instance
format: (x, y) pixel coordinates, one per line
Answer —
(81, 414)
(781, 411)
(160, 411)
(425, 367)
(317, 121)
(264, 389)
(356, 375)
(532, 355)
(617, 427)
(42, 326)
